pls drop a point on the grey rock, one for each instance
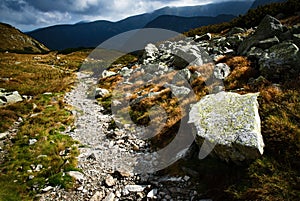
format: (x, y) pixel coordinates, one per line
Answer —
(281, 62)
(268, 28)
(107, 73)
(267, 43)
(296, 39)
(234, 41)
(150, 54)
(206, 36)
(228, 126)
(256, 53)
(10, 97)
(152, 193)
(221, 71)
(77, 175)
(32, 141)
(135, 188)
(48, 188)
(296, 29)
(100, 93)
(235, 30)
(109, 181)
(125, 72)
(4, 135)
(178, 91)
(98, 196)
(110, 197)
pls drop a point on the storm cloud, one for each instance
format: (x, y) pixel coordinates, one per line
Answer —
(31, 14)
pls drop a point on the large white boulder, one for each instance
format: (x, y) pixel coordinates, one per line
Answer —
(228, 126)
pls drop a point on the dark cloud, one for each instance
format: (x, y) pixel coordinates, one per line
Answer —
(30, 14)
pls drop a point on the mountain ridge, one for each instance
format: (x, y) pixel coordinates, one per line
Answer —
(92, 34)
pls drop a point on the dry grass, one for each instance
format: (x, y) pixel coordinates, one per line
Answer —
(34, 75)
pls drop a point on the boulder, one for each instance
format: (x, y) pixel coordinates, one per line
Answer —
(10, 97)
(221, 71)
(229, 126)
(281, 62)
(268, 28)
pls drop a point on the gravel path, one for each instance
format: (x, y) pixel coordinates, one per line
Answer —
(108, 158)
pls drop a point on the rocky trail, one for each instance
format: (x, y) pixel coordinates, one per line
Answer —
(108, 158)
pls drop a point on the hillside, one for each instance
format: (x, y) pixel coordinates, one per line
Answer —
(93, 33)
(257, 3)
(13, 40)
(171, 22)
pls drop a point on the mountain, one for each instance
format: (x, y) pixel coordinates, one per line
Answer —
(257, 3)
(94, 33)
(13, 40)
(171, 22)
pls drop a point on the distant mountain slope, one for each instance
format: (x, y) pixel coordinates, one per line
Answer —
(13, 40)
(93, 33)
(182, 24)
(257, 3)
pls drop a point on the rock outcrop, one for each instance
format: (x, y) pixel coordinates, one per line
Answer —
(230, 124)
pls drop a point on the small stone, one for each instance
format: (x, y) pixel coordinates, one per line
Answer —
(76, 175)
(38, 167)
(80, 188)
(92, 157)
(135, 188)
(110, 197)
(109, 181)
(32, 141)
(186, 178)
(4, 135)
(48, 188)
(30, 177)
(152, 193)
(97, 196)
(124, 173)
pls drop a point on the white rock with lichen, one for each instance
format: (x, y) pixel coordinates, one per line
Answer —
(231, 123)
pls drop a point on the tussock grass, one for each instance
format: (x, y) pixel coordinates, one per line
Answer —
(45, 117)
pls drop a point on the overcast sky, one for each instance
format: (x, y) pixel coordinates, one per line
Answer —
(27, 15)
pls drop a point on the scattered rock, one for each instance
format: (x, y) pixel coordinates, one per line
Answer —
(110, 197)
(109, 181)
(152, 193)
(267, 43)
(97, 196)
(10, 97)
(4, 135)
(107, 73)
(206, 36)
(268, 27)
(100, 93)
(48, 188)
(32, 141)
(76, 175)
(235, 30)
(221, 71)
(135, 188)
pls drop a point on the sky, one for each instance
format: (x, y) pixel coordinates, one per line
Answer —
(28, 15)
